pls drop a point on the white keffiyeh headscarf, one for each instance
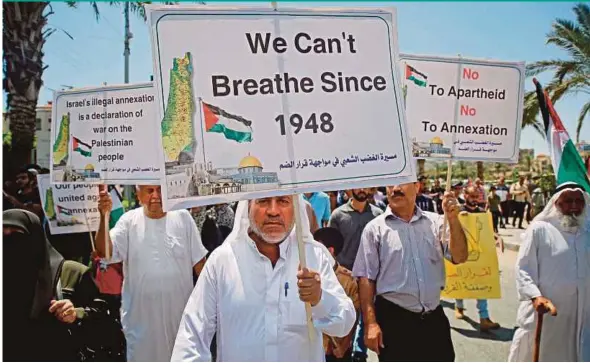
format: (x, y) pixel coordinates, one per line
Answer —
(242, 225)
(551, 213)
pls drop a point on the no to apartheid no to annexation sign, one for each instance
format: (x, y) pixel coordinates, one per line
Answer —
(106, 135)
(277, 102)
(463, 108)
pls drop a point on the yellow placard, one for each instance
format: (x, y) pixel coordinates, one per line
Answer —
(479, 277)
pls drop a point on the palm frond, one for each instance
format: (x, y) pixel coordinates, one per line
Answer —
(535, 68)
(582, 12)
(573, 85)
(568, 36)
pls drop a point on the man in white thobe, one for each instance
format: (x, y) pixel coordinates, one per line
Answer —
(159, 252)
(252, 292)
(553, 275)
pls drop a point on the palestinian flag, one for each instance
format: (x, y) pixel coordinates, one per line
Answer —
(567, 162)
(81, 147)
(65, 211)
(416, 76)
(231, 126)
(117, 210)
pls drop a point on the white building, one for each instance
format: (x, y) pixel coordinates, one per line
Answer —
(41, 154)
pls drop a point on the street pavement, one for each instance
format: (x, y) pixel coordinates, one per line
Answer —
(472, 345)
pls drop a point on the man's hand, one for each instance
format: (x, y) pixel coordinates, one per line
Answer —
(63, 310)
(338, 352)
(373, 337)
(11, 199)
(542, 304)
(105, 203)
(309, 285)
(450, 205)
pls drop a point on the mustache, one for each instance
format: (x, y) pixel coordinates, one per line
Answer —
(397, 193)
(274, 221)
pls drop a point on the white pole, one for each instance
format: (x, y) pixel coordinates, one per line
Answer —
(302, 261)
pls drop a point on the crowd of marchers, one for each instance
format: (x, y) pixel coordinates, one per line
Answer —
(225, 282)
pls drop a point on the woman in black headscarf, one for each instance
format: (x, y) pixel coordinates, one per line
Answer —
(31, 273)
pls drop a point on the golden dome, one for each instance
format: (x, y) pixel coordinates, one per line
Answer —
(250, 161)
(436, 140)
(89, 167)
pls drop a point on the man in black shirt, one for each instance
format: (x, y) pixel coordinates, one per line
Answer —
(436, 193)
(423, 201)
(457, 190)
(27, 195)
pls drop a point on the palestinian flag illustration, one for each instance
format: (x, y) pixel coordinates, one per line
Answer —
(83, 148)
(233, 127)
(416, 76)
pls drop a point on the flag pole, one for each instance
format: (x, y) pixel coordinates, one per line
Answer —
(302, 261)
(90, 233)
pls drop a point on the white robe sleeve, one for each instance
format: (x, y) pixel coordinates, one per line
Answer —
(527, 265)
(199, 321)
(334, 315)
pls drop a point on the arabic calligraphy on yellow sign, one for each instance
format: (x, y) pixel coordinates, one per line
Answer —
(479, 277)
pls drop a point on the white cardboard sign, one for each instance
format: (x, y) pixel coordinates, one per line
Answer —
(463, 108)
(256, 102)
(106, 135)
(69, 208)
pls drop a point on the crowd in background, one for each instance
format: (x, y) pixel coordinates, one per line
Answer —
(337, 219)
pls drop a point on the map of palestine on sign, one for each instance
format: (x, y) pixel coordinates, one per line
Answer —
(463, 108)
(106, 135)
(260, 102)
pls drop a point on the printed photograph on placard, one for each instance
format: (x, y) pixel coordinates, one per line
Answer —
(463, 108)
(290, 110)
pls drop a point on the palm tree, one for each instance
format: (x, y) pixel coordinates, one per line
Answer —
(480, 170)
(421, 166)
(462, 166)
(571, 75)
(25, 32)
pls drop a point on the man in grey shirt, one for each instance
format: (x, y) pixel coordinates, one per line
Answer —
(350, 219)
(400, 261)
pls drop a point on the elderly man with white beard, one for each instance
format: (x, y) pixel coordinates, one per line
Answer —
(553, 275)
(252, 292)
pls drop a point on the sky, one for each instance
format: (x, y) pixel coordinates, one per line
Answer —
(507, 31)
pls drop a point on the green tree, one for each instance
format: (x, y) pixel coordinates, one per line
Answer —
(25, 31)
(571, 75)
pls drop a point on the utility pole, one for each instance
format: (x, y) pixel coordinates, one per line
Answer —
(128, 36)
(128, 190)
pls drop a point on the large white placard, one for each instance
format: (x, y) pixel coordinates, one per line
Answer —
(69, 208)
(259, 102)
(106, 135)
(463, 108)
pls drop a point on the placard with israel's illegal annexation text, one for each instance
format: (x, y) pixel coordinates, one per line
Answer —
(257, 102)
(69, 208)
(463, 108)
(106, 135)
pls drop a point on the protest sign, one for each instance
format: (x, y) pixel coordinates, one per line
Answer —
(463, 108)
(277, 102)
(479, 277)
(106, 135)
(69, 208)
